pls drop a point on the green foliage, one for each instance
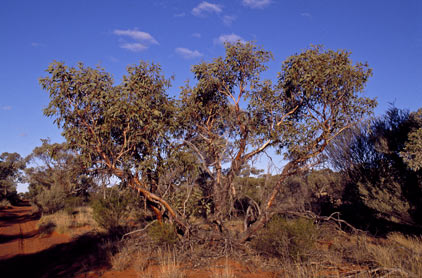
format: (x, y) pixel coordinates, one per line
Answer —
(11, 166)
(189, 201)
(326, 189)
(292, 238)
(229, 117)
(378, 177)
(122, 130)
(163, 233)
(59, 180)
(121, 127)
(72, 203)
(58, 169)
(317, 190)
(112, 213)
(51, 200)
(412, 152)
(317, 97)
(254, 187)
(323, 89)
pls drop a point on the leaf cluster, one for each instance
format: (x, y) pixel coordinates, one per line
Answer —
(123, 126)
(374, 162)
(11, 167)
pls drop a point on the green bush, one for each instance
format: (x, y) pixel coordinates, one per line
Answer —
(293, 238)
(112, 213)
(45, 229)
(51, 200)
(71, 203)
(163, 233)
(190, 204)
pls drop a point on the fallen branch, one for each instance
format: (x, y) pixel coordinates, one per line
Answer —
(392, 270)
(140, 230)
(310, 215)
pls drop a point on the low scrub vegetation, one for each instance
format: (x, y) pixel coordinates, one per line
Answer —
(287, 238)
(164, 234)
(65, 223)
(333, 253)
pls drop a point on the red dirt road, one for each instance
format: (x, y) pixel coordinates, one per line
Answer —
(26, 253)
(19, 235)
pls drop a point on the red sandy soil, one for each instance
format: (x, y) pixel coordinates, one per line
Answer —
(24, 252)
(19, 235)
(237, 270)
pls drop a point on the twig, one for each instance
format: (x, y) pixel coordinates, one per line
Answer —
(392, 270)
(310, 215)
(140, 230)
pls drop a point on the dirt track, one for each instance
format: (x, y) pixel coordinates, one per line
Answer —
(26, 253)
(19, 235)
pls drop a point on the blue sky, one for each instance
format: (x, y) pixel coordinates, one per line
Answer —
(180, 33)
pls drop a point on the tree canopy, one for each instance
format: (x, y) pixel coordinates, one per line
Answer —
(412, 152)
(231, 115)
(11, 166)
(56, 169)
(227, 118)
(375, 159)
(122, 129)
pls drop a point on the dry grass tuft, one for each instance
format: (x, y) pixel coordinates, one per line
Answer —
(68, 224)
(141, 261)
(169, 265)
(5, 203)
(122, 260)
(226, 271)
(335, 254)
(399, 255)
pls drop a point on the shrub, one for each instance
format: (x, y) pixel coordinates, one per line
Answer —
(111, 213)
(292, 238)
(122, 259)
(46, 228)
(189, 202)
(163, 233)
(51, 200)
(71, 203)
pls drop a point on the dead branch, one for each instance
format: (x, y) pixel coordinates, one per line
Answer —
(140, 230)
(392, 270)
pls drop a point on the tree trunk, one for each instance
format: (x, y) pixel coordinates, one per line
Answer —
(290, 169)
(135, 183)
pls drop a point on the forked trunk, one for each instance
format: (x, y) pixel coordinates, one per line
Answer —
(154, 201)
(266, 214)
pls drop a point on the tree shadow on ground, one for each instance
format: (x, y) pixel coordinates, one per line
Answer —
(87, 253)
(13, 217)
(8, 238)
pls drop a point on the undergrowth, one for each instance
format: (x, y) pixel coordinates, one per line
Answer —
(65, 223)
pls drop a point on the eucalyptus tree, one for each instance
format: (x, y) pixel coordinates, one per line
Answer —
(57, 168)
(231, 115)
(11, 167)
(121, 130)
(215, 125)
(412, 153)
